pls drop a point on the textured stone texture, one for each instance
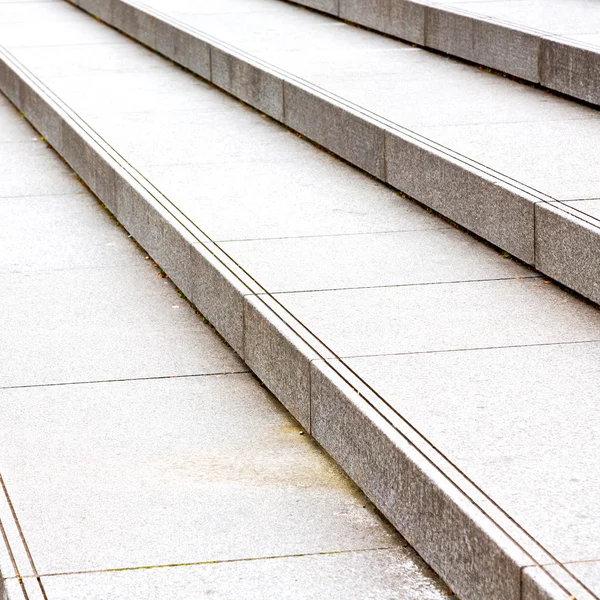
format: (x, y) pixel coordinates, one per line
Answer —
(42, 116)
(10, 82)
(91, 162)
(416, 498)
(175, 257)
(567, 245)
(137, 212)
(218, 290)
(100, 8)
(400, 18)
(482, 41)
(334, 126)
(278, 356)
(570, 69)
(190, 52)
(328, 6)
(161, 229)
(138, 24)
(251, 83)
(492, 209)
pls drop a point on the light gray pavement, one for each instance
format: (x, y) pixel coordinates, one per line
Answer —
(344, 260)
(500, 158)
(139, 455)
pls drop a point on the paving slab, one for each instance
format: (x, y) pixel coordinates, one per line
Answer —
(70, 61)
(38, 235)
(99, 93)
(209, 134)
(72, 313)
(369, 575)
(444, 316)
(44, 12)
(589, 207)
(33, 169)
(312, 195)
(62, 33)
(27, 589)
(14, 130)
(371, 260)
(176, 454)
(588, 574)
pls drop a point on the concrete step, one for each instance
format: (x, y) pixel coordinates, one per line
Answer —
(456, 386)
(140, 459)
(554, 43)
(508, 162)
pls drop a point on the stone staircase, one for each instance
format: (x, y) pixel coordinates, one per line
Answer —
(447, 373)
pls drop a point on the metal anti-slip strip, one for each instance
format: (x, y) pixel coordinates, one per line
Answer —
(23, 541)
(13, 560)
(55, 102)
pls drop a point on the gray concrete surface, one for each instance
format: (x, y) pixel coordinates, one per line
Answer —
(135, 440)
(444, 516)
